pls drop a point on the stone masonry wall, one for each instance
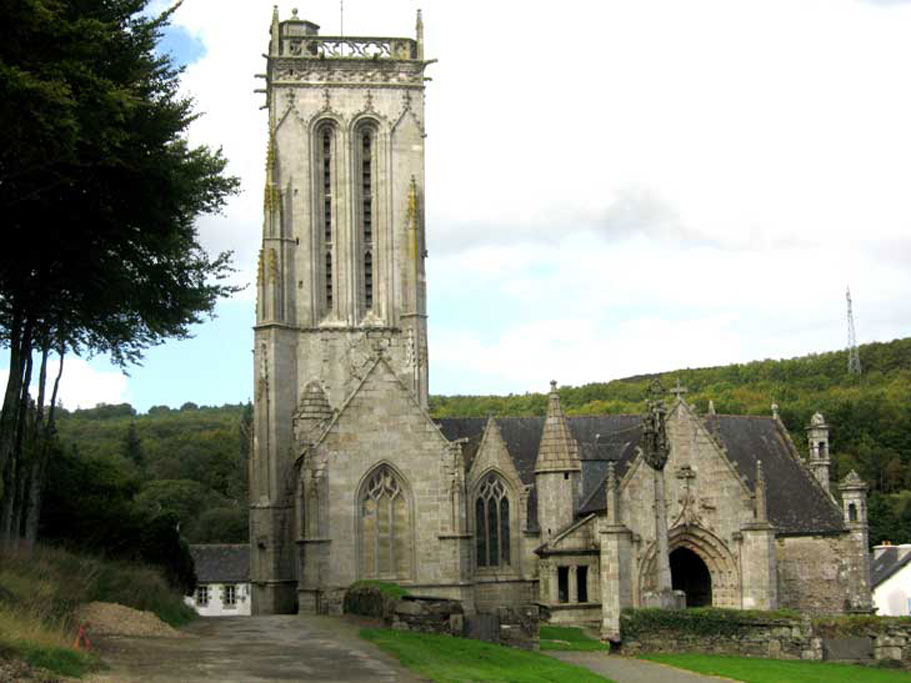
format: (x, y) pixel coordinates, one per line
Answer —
(781, 638)
(817, 574)
(382, 424)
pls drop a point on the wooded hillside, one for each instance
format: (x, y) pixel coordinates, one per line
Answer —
(191, 461)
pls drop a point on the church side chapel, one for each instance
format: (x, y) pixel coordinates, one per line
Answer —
(352, 479)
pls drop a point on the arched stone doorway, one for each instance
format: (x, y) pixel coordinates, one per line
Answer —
(712, 552)
(691, 575)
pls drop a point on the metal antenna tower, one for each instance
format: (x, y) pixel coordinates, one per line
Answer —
(853, 355)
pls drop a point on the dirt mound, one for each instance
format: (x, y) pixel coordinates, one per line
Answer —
(111, 619)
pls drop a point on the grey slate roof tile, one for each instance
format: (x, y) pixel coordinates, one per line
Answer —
(796, 504)
(889, 561)
(221, 563)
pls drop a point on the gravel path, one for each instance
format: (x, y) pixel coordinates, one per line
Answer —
(250, 649)
(629, 670)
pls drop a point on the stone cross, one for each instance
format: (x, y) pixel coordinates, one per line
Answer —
(678, 391)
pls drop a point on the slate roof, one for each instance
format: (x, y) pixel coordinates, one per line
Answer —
(888, 561)
(221, 563)
(796, 504)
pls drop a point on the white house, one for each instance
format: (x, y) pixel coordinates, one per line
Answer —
(222, 580)
(891, 574)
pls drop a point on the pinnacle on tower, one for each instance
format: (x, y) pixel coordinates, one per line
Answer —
(853, 355)
(558, 451)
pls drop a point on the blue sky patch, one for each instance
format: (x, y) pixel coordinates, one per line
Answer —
(183, 46)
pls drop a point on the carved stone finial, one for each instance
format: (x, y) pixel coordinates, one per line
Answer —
(294, 14)
(611, 498)
(655, 391)
(655, 444)
(553, 385)
(419, 34)
(762, 514)
(852, 482)
(711, 407)
(775, 410)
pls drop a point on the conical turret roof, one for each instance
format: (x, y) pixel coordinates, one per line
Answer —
(558, 451)
(313, 404)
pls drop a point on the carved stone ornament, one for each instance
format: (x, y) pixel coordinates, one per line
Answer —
(655, 444)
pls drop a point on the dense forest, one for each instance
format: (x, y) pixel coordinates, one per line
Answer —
(191, 461)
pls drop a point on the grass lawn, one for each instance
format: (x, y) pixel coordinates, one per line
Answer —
(568, 638)
(445, 658)
(756, 670)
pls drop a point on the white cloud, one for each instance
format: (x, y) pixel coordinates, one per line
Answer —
(81, 385)
(623, 187)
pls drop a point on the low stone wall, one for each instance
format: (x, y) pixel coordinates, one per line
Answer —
(428, 615)
(779, 637)
(512, 626)
(369, 601)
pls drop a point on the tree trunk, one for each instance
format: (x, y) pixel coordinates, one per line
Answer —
(15, 486)
(11, 397)
(39, 466)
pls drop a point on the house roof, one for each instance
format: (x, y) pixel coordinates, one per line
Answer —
(221, 563)
(796, 503)
(888, 561)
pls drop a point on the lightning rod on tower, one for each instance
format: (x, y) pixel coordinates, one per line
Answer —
(853, 355)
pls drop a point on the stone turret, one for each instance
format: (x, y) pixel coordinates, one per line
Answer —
(557, 470)
(854, 501)
(818, 440)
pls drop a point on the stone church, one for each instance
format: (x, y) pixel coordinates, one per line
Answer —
(351, 478)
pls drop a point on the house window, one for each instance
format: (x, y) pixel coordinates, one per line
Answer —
(492, 523)
(582, 583)
(202, 596)
(385, 527)
(852, 512)
(563, 584)
(230, 596)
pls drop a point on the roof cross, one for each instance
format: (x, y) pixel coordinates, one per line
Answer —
(678, 391)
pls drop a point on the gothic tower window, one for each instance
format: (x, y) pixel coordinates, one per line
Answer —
(365, 189)
(385, 527)
(492, 523)
(325, 168)
(368, 281)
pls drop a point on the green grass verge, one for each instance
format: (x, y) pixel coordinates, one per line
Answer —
(448, 659)
(62, 661)
(756, 670)
(569, 638)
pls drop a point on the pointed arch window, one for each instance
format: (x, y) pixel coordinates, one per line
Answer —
(385, 527)
(365, 192)
(492, 523)
(325, 146)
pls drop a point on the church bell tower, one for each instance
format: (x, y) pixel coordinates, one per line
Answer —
(341, 269)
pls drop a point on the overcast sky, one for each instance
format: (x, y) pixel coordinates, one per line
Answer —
(612, 187)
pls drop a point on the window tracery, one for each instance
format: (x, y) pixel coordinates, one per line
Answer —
(492, 523)
(385, 527)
